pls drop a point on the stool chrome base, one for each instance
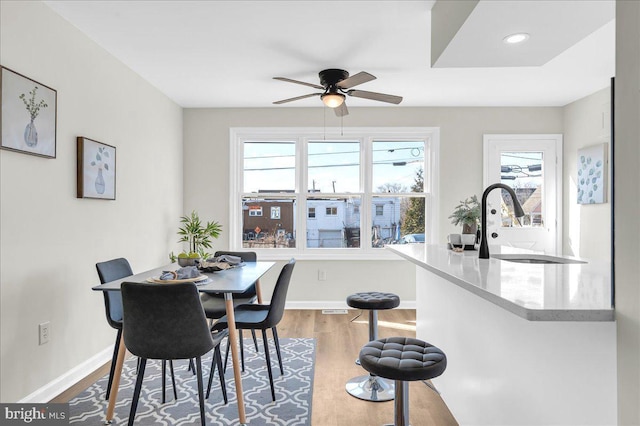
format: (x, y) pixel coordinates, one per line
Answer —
(371, 388)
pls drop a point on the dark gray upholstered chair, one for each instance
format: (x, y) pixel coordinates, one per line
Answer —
(112, 270)
(264, 317)
(214, 305)
(164, 321)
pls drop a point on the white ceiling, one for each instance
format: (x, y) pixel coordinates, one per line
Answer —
(225, 53)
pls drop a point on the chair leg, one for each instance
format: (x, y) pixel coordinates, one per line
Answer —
(401, 404)
(276, 341)
(191, 366)
(173, 381)
(136, 390)
(211, 371)
(200, 391)
(226, 354)
(113, 362)
(164, 379)
(240, 334)
(255, 340)
(266, 354)
(223, 385)
(217, 360)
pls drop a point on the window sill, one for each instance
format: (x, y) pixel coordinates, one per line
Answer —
(325, 254)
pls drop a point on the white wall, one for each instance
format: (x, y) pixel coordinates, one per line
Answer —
(49, 240)
(586, 227)
(627, 206)
(206, 153)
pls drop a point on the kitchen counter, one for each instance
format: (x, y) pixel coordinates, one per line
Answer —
(526, 344)
(536, 292)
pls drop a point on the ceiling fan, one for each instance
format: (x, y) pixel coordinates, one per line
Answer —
(335, 84)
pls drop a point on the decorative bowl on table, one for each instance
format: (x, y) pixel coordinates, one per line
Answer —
(188, 261)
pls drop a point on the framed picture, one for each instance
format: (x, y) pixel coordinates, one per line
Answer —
(96, 169)
(28, 119)
(592, 174)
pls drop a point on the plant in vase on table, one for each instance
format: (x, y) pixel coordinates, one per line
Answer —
(199, 237)
(467, 214)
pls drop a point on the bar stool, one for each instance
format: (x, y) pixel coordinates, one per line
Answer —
(370, 387)
(402, 359)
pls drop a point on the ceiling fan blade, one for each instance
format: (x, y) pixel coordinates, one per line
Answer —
(342, 110)
(315, 86)
(383, 97)
(284, 101)
(354, 80)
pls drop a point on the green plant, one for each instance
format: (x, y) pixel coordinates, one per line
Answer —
(467, 213)
(197, 235)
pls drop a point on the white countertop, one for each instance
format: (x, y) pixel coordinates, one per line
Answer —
(536, 292)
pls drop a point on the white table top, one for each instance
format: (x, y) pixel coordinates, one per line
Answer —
(536, 292)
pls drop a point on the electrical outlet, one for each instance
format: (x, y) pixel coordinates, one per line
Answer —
(44, 330)
(322, 275)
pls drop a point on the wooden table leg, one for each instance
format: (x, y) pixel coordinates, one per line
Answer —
(233, 341)
(259, 292)
(113, 397)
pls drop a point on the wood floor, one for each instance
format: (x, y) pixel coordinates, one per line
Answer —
(338, 342)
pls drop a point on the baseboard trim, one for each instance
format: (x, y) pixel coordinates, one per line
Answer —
(68, 379)
(332, 304)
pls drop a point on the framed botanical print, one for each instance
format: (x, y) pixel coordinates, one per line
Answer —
(28, 119)
(96, 169)
(592, 174)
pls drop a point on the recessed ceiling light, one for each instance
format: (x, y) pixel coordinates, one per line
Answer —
(516, 38)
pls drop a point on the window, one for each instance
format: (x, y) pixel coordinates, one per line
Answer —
(255, 211)
(275, 212)
(390, 172)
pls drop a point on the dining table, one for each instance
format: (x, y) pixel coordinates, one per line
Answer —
(229, 282)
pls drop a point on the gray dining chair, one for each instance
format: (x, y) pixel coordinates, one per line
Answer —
(112, 270)
(214, 304)
(165, 322)
(264, 317)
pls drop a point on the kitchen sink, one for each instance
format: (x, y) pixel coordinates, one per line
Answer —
(535, 258)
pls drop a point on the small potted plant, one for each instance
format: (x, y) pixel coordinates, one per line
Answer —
(198, 236)
(467, 213)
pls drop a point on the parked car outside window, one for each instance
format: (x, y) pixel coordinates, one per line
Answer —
(412, 238)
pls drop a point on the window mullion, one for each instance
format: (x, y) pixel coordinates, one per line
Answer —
(301, 192)
(366, 161)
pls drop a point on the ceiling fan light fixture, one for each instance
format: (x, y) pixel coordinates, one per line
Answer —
(332, 100)
(516, 38)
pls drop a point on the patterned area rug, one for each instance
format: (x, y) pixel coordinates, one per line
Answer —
(293, 391)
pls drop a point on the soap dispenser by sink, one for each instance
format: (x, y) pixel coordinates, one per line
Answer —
(517, 211)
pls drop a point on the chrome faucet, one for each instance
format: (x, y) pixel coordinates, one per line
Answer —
(517, 211)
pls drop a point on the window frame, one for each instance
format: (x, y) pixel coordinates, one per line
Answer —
(301, 136)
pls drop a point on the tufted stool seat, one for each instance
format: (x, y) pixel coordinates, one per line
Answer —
(370, 387)
(373, 300)
(402, 359)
